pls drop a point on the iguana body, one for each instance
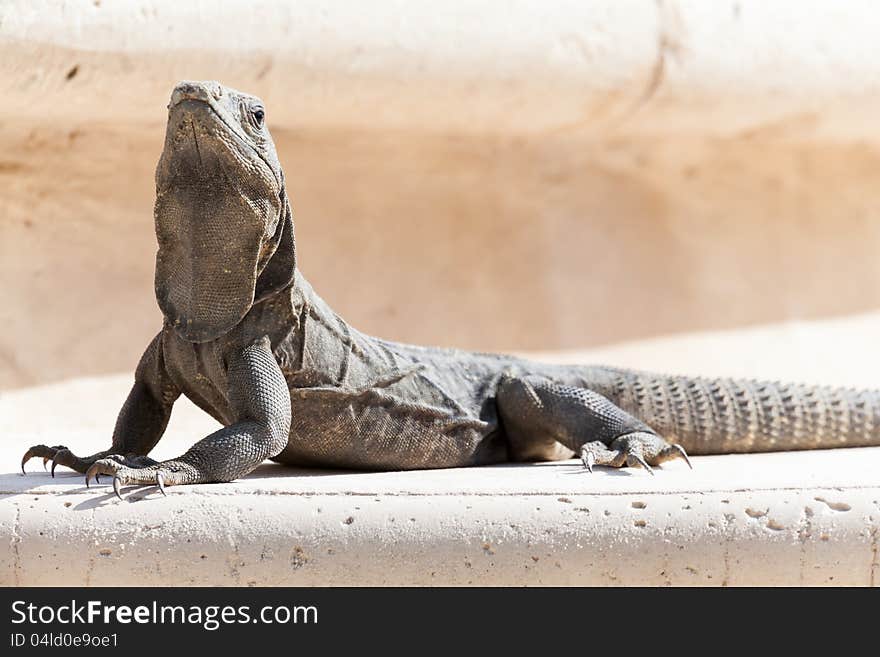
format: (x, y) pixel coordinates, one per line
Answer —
(247, 339)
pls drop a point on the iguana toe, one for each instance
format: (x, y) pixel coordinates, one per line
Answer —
(588, 459)
(634, 457)
(48, 453)
(63, 456)
(104, 466)
(680, 453)
(116, 485)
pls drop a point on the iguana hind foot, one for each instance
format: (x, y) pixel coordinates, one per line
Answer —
(640, 449)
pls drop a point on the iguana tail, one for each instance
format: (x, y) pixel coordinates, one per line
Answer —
(722, 416)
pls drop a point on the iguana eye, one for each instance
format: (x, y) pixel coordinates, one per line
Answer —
(259, 115)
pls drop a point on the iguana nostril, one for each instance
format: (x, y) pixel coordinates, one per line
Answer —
(203, 91)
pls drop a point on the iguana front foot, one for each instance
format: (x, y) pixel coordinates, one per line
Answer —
(60, 455)
(639, 448)
(106, 465)
(140, 473)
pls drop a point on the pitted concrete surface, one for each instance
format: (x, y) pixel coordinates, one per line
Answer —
(771, 519)
(777, 519)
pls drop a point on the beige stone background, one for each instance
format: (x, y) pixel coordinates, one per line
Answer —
(504, 176)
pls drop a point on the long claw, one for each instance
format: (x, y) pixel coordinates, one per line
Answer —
(642, 462)
(45, 461)
(160, 482)
(54, 463)
(588, 460)
(117, 482)
(25, 459)
(89, 475)
(684, 455)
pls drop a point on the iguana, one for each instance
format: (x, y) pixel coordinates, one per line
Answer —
(246, 338)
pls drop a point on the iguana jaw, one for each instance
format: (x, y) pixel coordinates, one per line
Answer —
(219, 203)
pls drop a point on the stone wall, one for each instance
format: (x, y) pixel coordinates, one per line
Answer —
(540, 176)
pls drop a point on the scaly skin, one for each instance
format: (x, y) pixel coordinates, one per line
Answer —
(247, 339)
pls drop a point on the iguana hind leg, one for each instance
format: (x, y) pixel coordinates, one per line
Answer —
(540, 416)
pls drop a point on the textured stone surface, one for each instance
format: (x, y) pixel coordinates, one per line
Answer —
(724, 69)
(809, 518)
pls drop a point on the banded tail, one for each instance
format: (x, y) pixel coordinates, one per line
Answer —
(723, 416)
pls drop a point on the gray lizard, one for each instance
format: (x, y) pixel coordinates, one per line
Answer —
(247, 340)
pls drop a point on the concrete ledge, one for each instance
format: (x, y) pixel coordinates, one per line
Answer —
(777, 519)
(801, 70)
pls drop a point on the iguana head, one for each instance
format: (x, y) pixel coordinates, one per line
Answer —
(223, 221)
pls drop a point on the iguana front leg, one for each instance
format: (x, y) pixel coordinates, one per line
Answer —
(140, 423)
(260, 400)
